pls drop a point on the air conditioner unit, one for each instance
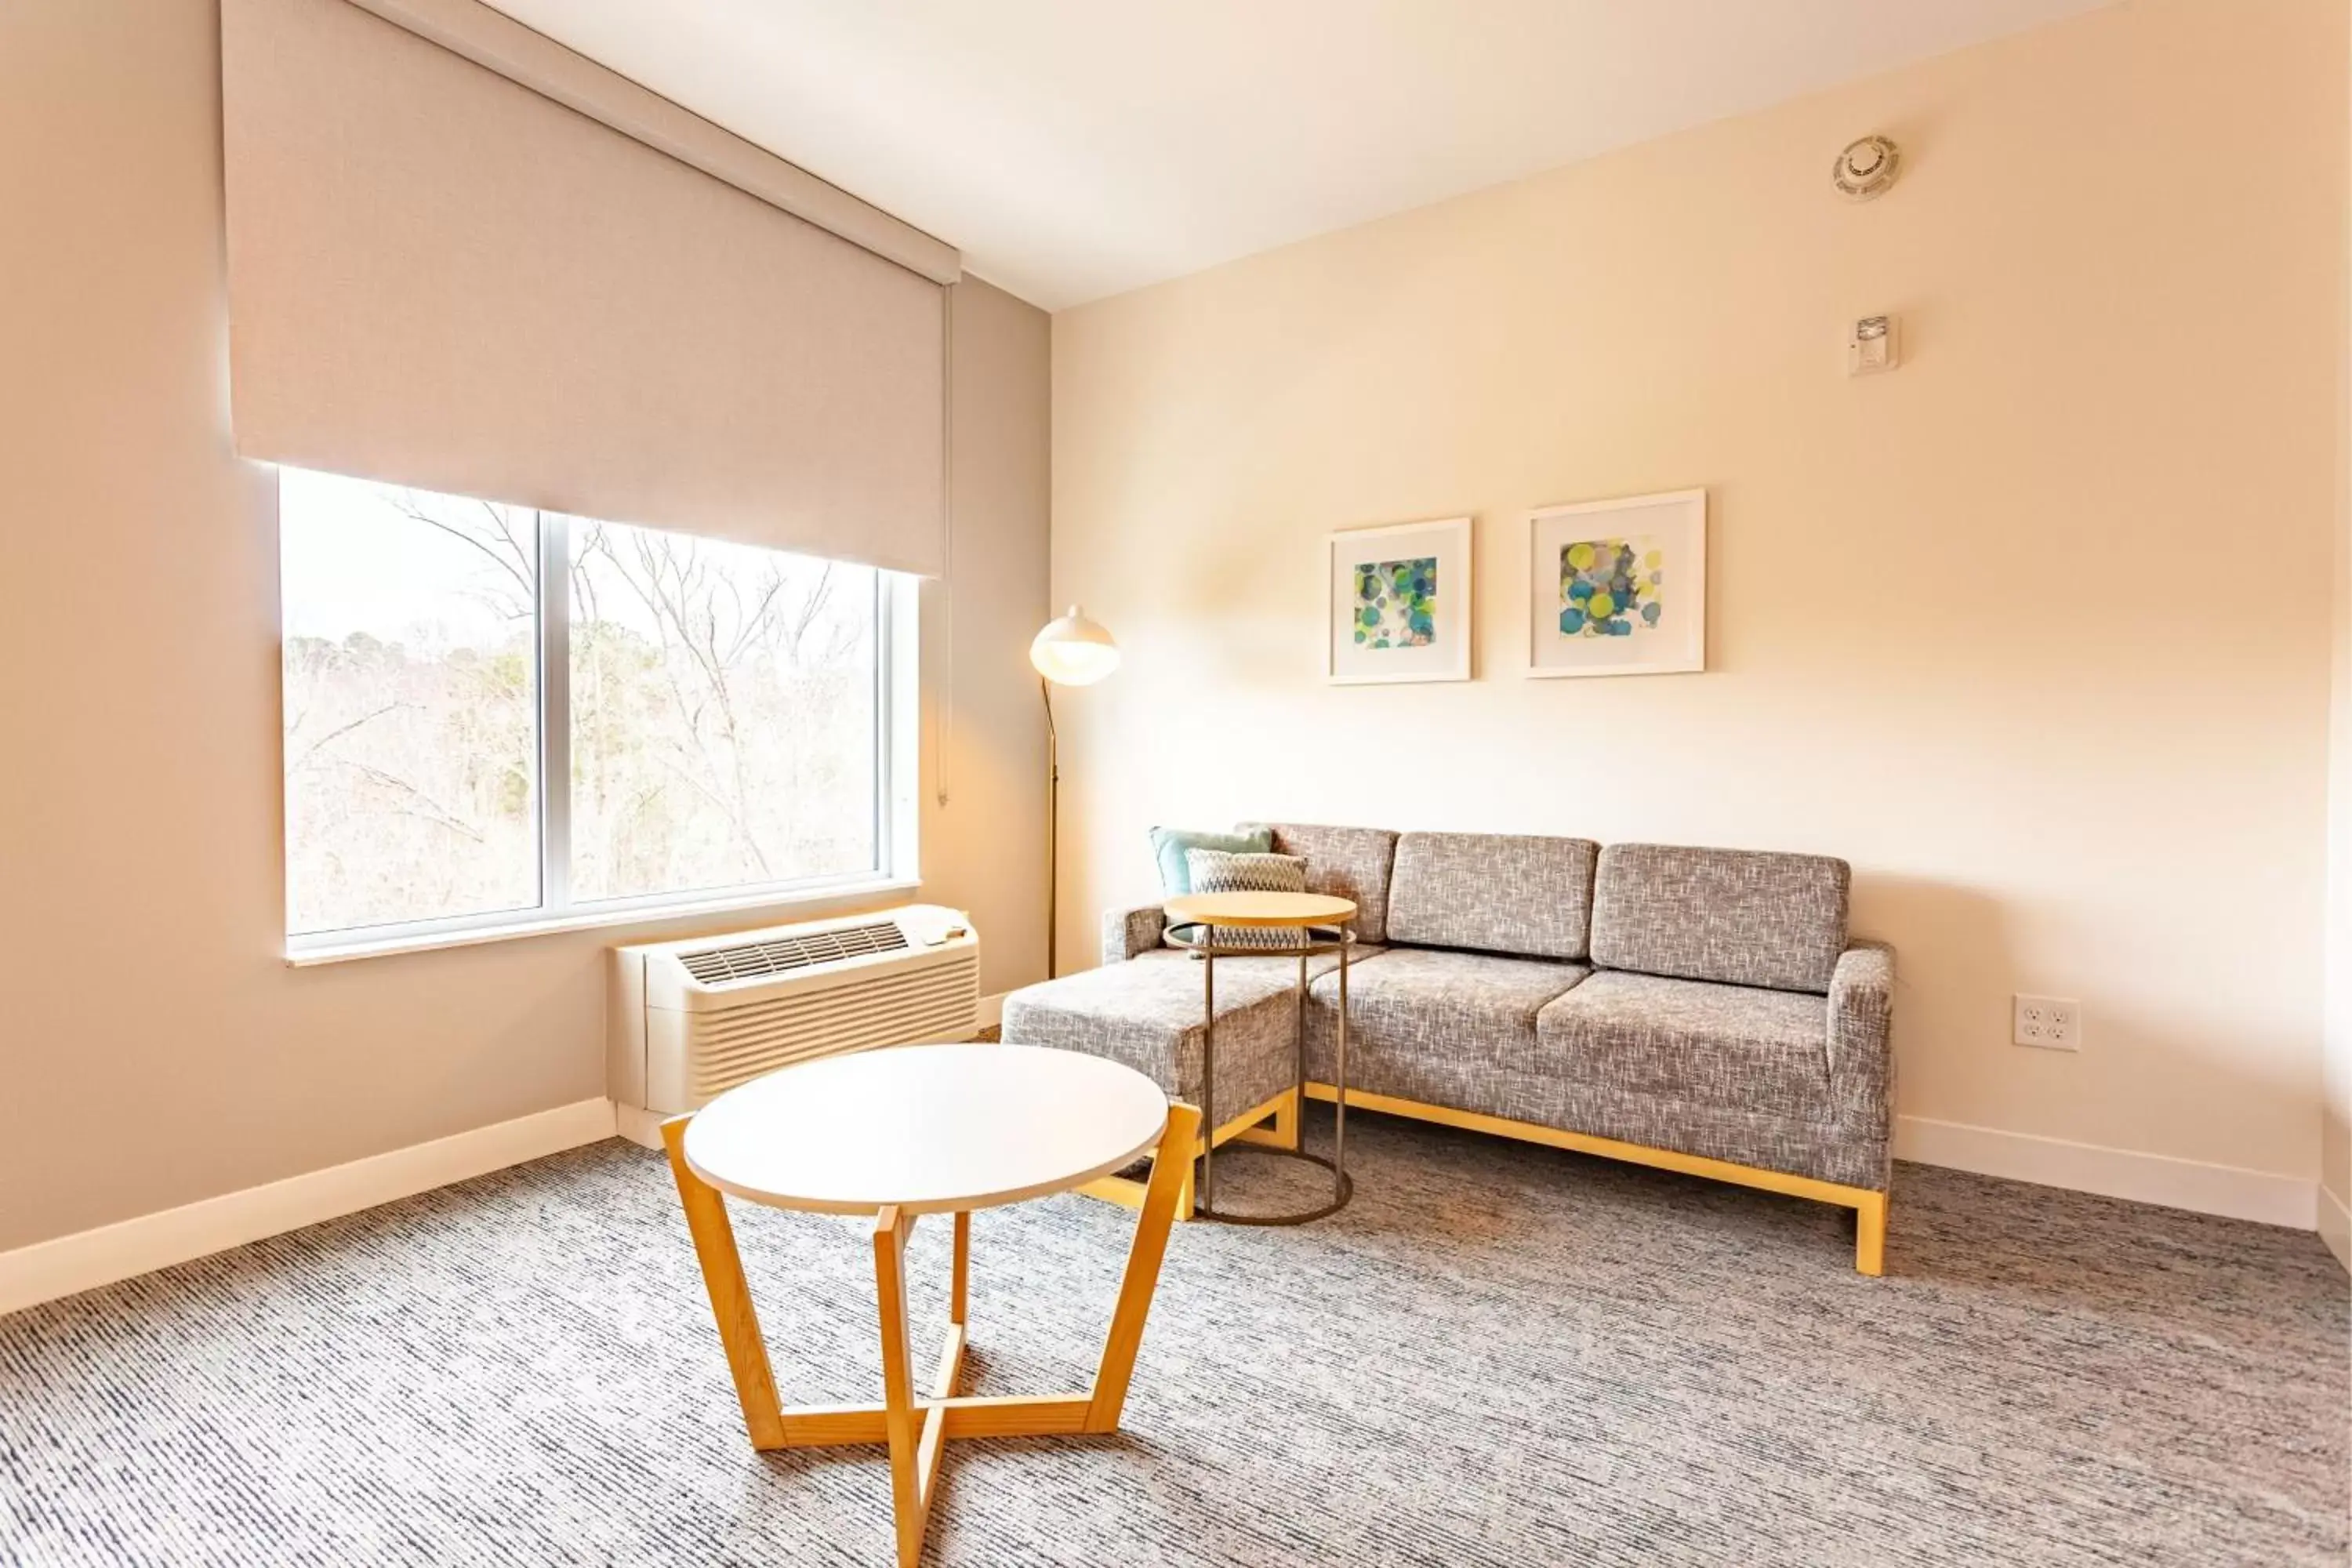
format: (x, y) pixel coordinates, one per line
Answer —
(689, 1020)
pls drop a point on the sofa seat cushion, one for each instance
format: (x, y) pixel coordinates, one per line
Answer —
(1148, 1011)
(1469, 1008)
(1693, 1042)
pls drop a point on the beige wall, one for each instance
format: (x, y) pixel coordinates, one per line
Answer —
(2335, 1111)
(2035, 630)
(2335, 1072)
(154, 1046)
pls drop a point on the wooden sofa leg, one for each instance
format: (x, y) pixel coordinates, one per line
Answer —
(1870, 1236)
(1278, 1128)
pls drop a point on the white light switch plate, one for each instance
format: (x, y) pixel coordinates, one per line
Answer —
(2053, 1023)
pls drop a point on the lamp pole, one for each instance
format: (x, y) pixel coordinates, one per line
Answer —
(1071, 651)
(1052, 832)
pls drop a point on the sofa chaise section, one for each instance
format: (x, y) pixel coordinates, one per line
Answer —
(1150, 1014)
(1146, 1006)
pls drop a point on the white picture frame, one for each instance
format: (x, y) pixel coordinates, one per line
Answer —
(1646, 557)
(1399, 603)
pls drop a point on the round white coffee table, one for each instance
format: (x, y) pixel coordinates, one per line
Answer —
(911, 1130)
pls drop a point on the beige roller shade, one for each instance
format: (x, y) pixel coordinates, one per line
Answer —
(441, 278)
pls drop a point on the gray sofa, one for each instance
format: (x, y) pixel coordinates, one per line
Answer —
(1702, 1010)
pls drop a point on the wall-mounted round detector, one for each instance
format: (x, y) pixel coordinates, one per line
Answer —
(1867, 167)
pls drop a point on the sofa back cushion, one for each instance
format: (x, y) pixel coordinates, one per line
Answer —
(1345, 863)
(1740, 917)
(1499, 892)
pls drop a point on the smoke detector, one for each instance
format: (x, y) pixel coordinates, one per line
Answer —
(1866, 167)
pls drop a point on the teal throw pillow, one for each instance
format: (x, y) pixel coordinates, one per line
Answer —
(1170, 846)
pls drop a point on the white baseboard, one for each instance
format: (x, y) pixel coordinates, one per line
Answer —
(87, 1259)
(2335, 1227)
(992, 1010)
(638, 1125)
(2232, 1192)
(68, 1264)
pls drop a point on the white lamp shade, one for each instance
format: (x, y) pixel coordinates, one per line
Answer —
(1073, 650)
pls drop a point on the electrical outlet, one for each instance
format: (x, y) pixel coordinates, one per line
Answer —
(2053, 1023)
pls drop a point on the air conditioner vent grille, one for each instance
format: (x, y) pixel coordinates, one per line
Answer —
(886, 1005)
(752, 961)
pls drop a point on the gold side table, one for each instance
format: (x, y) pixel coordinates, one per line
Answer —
(1322, 922)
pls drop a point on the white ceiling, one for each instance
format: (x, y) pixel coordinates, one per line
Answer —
(1080, 148)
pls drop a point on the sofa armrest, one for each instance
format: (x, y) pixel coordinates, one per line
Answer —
(1131, 931)
(1861, 1059)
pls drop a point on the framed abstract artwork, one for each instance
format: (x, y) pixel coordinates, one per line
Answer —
(1400, 603)
(1618, 587)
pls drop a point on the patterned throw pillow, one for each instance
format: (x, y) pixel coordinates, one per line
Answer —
(1216, 871)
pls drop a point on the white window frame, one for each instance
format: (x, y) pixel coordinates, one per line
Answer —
(897, 761)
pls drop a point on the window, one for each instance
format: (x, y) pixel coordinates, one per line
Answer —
(496, 716)
(724, 714)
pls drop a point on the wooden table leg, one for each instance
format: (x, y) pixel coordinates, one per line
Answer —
(907, 1498)
(962, 1272)
(1170, 1169)
(731, 1294)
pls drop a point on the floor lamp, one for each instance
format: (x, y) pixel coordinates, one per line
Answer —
(1071, 651)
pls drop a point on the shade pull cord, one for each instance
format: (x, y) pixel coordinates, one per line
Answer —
(943, 718)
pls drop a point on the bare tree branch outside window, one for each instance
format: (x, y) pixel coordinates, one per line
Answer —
(722, 726)
(723, 713)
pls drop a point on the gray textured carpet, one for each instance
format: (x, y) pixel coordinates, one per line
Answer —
(1498, 1354)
